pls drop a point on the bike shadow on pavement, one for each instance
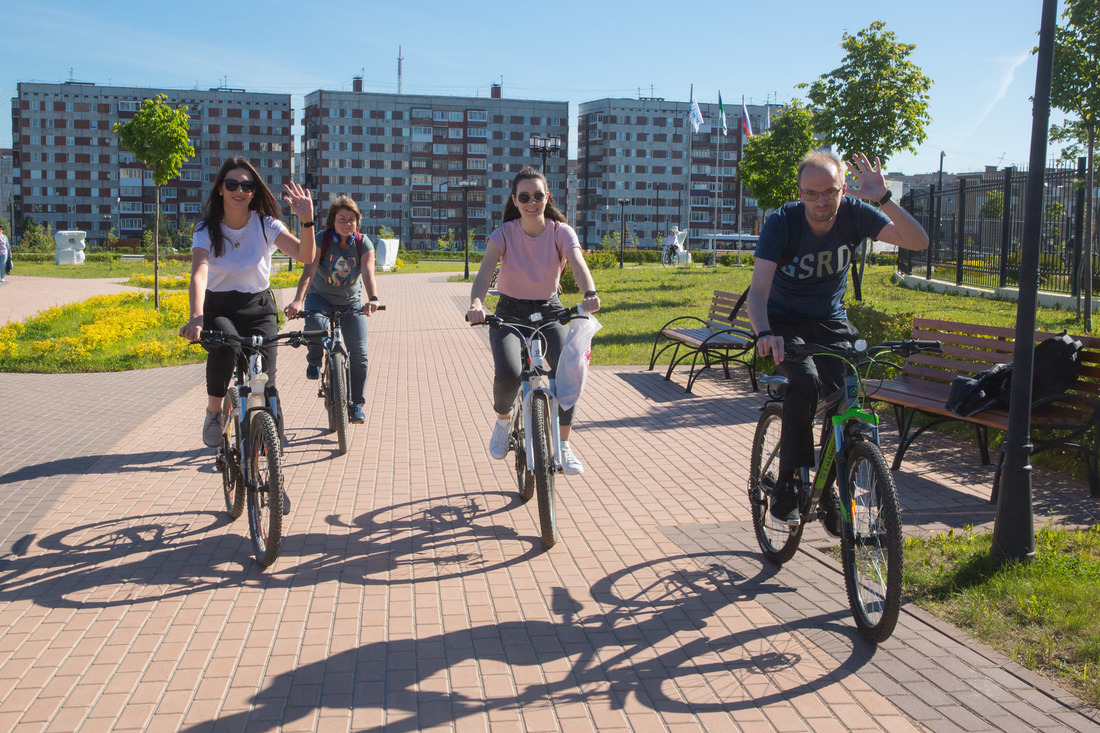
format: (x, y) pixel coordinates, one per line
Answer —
(107, 463)
(626, 644)
(126, 561)
(145, 558)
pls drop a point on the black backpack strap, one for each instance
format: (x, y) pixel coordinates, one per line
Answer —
(737, 306)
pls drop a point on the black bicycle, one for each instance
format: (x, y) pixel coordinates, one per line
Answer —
(536, 432)
(864, 511)
(336, 371)
(250, 457)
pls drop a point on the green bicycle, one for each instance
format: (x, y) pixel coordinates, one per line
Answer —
(864, 512)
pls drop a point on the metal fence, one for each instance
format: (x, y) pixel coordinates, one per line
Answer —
(975, 230)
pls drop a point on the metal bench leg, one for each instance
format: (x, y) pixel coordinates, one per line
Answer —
(983, 442)
(672, 363)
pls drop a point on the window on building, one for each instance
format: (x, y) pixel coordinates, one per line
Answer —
(422, 212)
(477, 115)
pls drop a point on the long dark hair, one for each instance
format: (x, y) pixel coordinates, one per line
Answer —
(511, 211)
(263, 202)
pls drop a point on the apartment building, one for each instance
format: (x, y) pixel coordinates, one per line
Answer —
(70, 173)
(428, 165)
(633, 157)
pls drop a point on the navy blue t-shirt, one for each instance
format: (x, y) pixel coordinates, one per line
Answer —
(813, 287)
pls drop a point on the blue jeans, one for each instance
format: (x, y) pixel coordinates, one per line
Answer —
(355, 341)
(4, 265)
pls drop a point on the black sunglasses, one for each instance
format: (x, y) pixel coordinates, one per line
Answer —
(232, 184)
(525, 197)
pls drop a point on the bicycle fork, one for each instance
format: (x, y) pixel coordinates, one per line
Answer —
(555, 425)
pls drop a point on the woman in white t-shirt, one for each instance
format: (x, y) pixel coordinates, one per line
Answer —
(230, 272)
(532, 246)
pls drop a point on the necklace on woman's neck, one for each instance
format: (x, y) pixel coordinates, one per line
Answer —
(236, 242)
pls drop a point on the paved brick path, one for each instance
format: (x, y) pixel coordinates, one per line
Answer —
(412, 592)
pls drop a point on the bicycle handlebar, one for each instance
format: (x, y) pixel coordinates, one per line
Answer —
(905, 348)
(292, 338)
(334, 313)
(563, 316)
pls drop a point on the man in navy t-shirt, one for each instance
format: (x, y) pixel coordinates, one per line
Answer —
(802, 300)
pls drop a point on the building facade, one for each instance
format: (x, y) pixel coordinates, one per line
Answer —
(426, 166)
(640, 164)
(70, 173)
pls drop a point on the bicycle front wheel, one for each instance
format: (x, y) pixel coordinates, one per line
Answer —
(544, 467)
(778, 541)
(229, 460)
(265, 492)
(525, 480)
(338, 399)
(872, 550)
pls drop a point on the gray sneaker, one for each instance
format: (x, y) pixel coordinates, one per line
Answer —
(498, 443)
(212, 429)
(570, 466)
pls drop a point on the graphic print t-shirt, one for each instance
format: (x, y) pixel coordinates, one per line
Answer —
(813, 286)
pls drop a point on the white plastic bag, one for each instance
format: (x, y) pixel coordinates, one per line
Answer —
(576, 352)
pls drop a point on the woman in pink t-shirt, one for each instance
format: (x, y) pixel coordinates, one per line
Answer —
(532, 246)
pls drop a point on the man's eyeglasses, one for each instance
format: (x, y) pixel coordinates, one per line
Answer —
(232, 184)
(829, 195)
(525, 198)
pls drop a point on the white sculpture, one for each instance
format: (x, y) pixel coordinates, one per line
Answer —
(385, 255)
(69, 247)
(673, 250)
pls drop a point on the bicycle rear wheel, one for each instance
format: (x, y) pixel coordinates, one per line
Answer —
(777, 540)
(338, 401)
(525, 480)
(872, 555)
(544, 468)
(229, 458)
(265, 492)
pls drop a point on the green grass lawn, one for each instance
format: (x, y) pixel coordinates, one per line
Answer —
(1042, 613)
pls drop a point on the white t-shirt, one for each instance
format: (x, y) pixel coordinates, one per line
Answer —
(245, 264)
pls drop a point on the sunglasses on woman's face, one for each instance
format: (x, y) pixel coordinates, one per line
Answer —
(232, 184)
(525, 198)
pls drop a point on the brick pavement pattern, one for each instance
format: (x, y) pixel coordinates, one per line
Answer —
(413, 593)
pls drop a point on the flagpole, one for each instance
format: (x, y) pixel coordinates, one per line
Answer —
(717, 190)
(691, 137)
(740, 154)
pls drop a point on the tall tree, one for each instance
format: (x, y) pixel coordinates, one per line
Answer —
(876, 102)
(769, 162)
(157, 136)
(1075, 89)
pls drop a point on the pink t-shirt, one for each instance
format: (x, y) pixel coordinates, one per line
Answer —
(531, 266)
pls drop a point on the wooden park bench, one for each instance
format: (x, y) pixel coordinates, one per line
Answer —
(918, 394)
(716, 340)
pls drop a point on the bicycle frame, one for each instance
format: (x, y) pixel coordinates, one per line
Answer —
(531, 384)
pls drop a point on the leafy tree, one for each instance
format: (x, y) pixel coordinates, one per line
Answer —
(384, 232)
(876, 101)
(994, 206)
(1074, 89)
(157, 136)
(769, 164)
(37, 238)
(447, 241)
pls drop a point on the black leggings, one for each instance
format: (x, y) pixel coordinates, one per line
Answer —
(506, 351)
(245, 314)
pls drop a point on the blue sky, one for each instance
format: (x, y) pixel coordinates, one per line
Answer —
(976, 51)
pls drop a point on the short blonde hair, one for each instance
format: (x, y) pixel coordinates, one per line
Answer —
(342, 203)
(820, 159)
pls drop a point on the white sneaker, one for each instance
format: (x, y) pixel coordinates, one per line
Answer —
(212, 429)
(498, 443)
(570, 466)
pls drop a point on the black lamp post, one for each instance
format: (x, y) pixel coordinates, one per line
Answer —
(465, 186)
(543, 146)
(622, 229)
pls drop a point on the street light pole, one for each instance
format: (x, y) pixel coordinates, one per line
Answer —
(622, 229)
(543, 146)
(465, 186)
